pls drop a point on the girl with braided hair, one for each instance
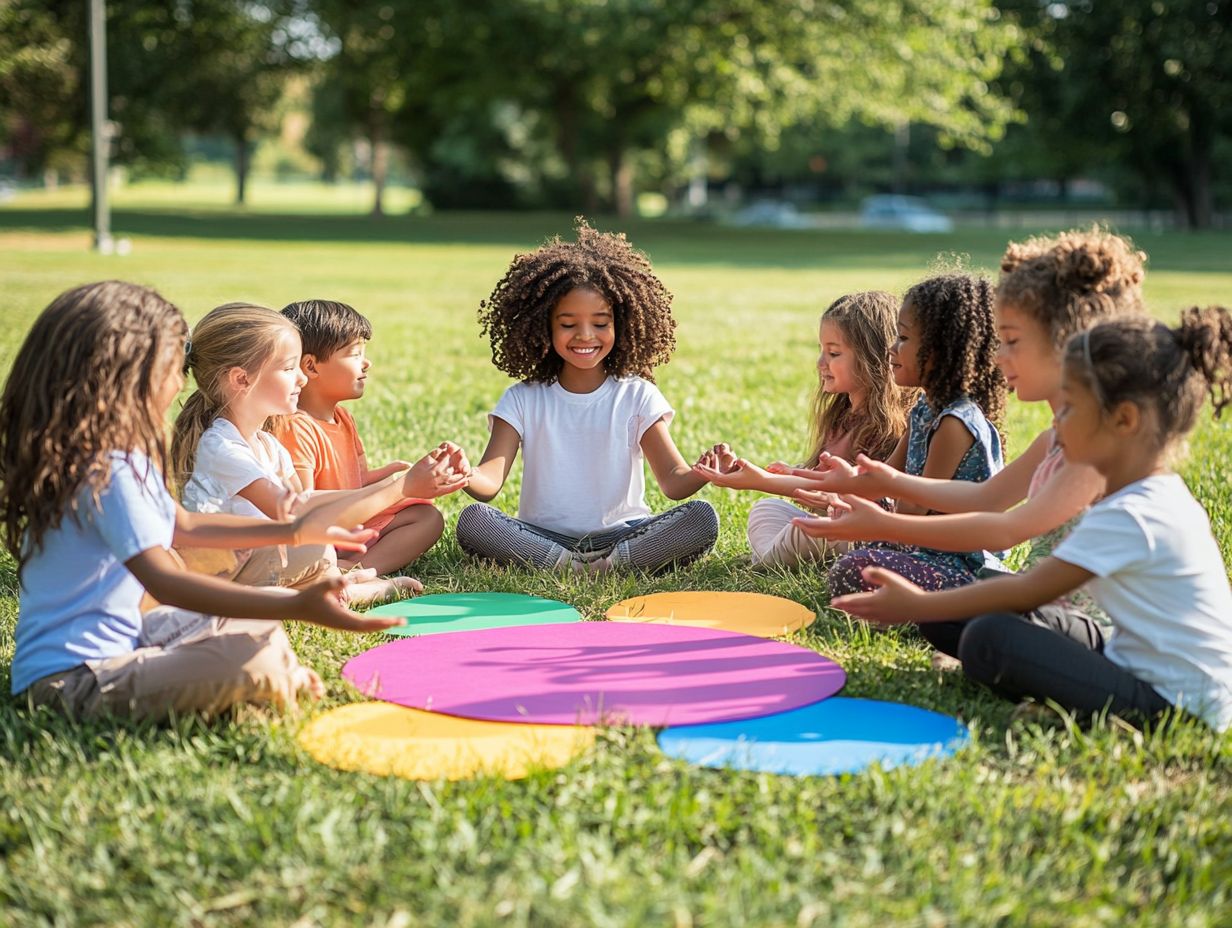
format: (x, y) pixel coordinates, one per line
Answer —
(582, 325)
(1131, 390)
(1050, 289)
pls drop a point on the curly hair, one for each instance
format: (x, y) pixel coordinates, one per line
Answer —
(867, 323)
(958, 342)
(1070, 281)
(82, 387)
(1167, 370)
(517, 317)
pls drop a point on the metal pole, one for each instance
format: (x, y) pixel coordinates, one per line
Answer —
(100, 128)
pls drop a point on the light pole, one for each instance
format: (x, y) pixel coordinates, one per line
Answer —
(100, 128)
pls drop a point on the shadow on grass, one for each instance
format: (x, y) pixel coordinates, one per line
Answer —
(668, 241)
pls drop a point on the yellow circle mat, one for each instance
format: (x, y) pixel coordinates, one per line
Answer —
(389, 740)
(749, 613)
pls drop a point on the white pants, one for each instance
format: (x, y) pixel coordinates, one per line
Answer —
(775, 542)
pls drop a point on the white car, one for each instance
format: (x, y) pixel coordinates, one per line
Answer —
(898, 212)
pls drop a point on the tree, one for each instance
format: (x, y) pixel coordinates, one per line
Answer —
(1143, 82)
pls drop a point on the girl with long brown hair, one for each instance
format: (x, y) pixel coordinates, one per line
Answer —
(86, 514)
(857, 409)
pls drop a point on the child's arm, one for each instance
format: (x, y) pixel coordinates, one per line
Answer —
(949, 443)
(369, 477)
(165, 580)
(222, 530)
(1070, 490)
(875, 479)
(741, 474)
(676, 478)
(498, 457)
(896, 600)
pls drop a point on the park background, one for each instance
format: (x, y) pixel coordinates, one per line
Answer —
(396, 156)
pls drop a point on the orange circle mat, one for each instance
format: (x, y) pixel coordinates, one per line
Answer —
(748, 613)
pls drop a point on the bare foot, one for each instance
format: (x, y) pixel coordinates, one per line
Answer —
(944, 663)
(306, 681)
(382, 590)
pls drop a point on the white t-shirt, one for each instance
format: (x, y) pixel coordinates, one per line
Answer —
(581, 452)
(1160, 576)
(225, 464)
(78, 601)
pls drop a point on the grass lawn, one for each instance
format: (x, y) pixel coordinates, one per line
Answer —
(231, 823)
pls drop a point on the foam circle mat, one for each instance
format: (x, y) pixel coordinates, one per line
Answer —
(463, 612)
(388, 740)
(748, 613)
(596, 673)
(833, 736)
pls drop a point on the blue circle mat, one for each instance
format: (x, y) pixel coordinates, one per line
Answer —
(834, 736)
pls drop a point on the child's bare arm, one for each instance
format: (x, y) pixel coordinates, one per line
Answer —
(950, 442)
(222, 530)
(896, 600)
(1071, 490)
(676, 478)
(165, 580)
(490, 474)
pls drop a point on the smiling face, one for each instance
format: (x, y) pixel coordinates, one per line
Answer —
(905, 352)
(583, 331)
(343, 375)
(275, 391)
(1027, 356)
(836, 364)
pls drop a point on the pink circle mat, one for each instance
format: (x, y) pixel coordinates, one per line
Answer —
(596, 672)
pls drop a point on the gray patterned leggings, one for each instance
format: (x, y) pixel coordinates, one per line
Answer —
(677, 536)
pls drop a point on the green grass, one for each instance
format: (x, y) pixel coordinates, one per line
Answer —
(231, 823)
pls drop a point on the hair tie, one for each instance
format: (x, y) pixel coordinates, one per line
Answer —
(187, 355)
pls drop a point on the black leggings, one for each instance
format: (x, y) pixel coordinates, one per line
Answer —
(1053, 656)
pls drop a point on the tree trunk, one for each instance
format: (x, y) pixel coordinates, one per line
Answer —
(622, 181)
(380, 166)
(241, 168)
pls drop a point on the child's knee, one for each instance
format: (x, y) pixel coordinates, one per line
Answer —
(474, 523)
(984, 644)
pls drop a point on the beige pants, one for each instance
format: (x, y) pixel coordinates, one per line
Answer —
(263, 566)
(775, 542)
(186, 662)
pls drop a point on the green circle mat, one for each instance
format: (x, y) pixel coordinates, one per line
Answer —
(468, 612)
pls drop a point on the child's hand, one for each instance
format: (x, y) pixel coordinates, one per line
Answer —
(316, 527)
(894, 602)
(322, 604)
(437, 473)
(739, 474)
(851, 518)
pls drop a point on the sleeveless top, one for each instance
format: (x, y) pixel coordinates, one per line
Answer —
(982, 460)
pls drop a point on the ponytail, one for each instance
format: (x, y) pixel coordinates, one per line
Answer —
(1205, 336)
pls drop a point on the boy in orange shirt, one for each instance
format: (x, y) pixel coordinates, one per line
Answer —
(325, 446)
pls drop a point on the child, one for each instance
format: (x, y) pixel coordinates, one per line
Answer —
(1050, 289)
(245, 360)
(324, 444)
(1132, 389)
(858, 409)
(946, 344)
(582, 325)
(87, 516)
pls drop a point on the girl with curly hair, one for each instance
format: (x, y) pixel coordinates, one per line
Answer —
(87, 516)
(1131, 390)
(582, 325)
(1050, 289)
(947, 343)
(858, 409)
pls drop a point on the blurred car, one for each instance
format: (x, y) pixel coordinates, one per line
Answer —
(898, 212)
(775, 214)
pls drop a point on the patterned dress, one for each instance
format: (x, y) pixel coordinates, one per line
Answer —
(928, 568)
